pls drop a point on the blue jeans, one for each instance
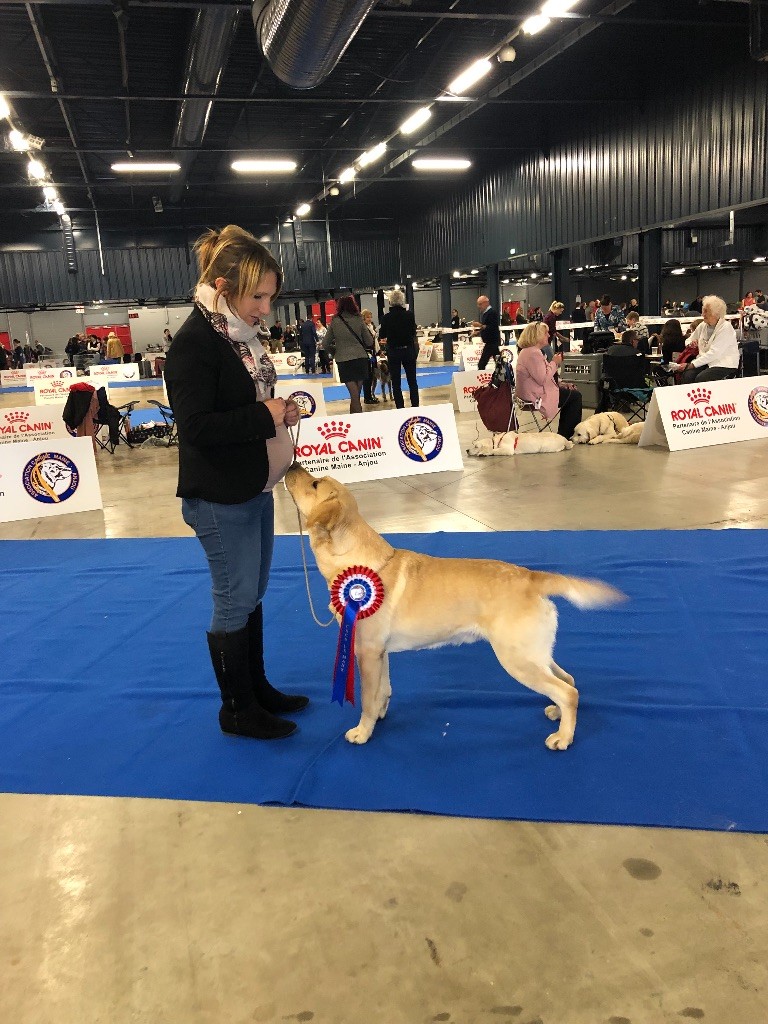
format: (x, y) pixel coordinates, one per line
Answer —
(238, 541)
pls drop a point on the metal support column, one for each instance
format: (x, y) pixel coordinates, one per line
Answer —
(561, 280)
(445, 316)
(650, 272)
(492, 279)
(409, 294)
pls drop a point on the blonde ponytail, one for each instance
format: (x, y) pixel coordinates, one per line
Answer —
(235, 255)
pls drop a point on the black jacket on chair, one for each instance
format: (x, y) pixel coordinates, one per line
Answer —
(222, 428)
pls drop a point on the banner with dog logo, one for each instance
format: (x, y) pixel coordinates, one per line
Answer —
(714, 412)
(29, 423)
(465, 385)
(308, 395)
(379, 445)
(48, 478)
(287, 362)
(13, 379)
(115, 373)
(54, 391)
(40, 372)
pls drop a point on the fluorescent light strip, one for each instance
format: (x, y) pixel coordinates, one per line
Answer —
(5, 110)
(303, 210)
(36, 170)
(415, 121)
(535, 24)
(347, 174)
(469, 77)
(555, 7)
(375, 153)
(138, 167)
(430, 164)
(253, 166)
(18, 140)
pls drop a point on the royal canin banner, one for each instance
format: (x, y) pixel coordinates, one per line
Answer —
(464, 387)
(379, 445)
(30, 423)
(52, 392)
(699, 415)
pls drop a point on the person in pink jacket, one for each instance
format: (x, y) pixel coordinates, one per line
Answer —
(536, 380)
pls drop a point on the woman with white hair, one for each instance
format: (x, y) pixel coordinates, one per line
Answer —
(398, 331)
(715, 338)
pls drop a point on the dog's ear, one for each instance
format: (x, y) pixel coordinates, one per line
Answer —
(328, 513)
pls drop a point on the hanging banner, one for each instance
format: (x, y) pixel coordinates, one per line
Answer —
(464, 385)
(379, 445)
(28, 423)
(308, 395)
(48, 478)
(699, 415)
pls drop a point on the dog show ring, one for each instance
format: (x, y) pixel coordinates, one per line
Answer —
(356, 593)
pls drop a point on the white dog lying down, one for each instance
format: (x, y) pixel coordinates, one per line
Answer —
(527, 443)
(599, 427)
(629, 435)
(479, 599)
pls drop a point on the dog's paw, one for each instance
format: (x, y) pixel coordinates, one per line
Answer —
(568, 445)
(357, 735)
(557, 742)
(552, 712)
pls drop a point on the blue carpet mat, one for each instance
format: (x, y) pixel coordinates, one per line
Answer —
(107, 688)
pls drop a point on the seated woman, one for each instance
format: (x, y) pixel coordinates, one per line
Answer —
(671, 339)
(535, 379)
(717, 345)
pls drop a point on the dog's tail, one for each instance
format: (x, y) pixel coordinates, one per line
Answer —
(583, 593)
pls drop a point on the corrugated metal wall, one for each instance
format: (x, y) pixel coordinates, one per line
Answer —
(700, 150)
(41, 278)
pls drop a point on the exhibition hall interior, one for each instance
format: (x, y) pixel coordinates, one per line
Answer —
(383, 511)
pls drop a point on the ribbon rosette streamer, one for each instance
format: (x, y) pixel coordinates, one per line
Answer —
(356, 593)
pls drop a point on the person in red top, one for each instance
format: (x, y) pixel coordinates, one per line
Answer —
(535, 380)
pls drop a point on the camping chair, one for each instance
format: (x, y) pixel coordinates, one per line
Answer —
(168, 418)
(625, 387)
(116, 420)
(533, 409)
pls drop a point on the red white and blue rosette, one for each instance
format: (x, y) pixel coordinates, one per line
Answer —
(356, 593)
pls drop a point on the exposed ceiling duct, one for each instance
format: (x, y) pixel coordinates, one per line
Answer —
(207, 54)
(303, 40)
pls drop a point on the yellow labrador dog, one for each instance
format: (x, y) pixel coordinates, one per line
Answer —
(480, 599)
(598, 428)
(530, 442)
(629, 435)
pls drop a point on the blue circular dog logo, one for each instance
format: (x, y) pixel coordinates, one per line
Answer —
(306, 403)
(757, 403)
(50, 478)
(420, 439)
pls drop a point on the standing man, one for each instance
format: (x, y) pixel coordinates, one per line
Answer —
(308, 343)
(276, 336)
(488, 329)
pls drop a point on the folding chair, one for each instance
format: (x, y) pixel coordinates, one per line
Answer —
(168, 418)
(625, 387)
(540, 421)
(115, 419)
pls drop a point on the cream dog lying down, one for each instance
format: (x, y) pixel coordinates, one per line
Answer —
(528, 443)
(479, 599)
(598, 428)
(629, 435)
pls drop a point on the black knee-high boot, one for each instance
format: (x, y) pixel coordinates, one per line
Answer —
(266, 694)
(240, 713)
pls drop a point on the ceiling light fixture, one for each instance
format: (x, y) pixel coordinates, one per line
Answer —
(415, 120)
(505, 280)
(333, 191)
(678, 270)
(140, 167)
(457, 273)
(36, 170)
(555, 7)
(5, 110)
(733, 261)
(579, 269)
(375, 153)
(18, 140)
(257, 166)
(50, 193)
(303, 210)
(468, 78)
(347, 174)
(534, 24)
(534, 276)
(439, 164)
(759, 259)
(58, 207)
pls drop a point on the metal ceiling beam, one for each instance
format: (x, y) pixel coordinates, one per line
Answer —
(105, 150)
(237, 5)
(282, 101)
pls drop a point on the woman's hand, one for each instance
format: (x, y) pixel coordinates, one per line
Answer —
(276, 408)
(292, 414)
(557, 359)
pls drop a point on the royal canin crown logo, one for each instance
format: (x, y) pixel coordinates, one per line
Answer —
(334, 429)
(17, 417)
(700, 396)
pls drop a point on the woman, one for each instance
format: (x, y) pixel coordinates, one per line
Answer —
(367, 315)
(555, 313)
(234, 447)
(535, 380)
(455, 319)
(671, 339)
(397, 332)
(717, 347)
(114, 348)
(345, 341)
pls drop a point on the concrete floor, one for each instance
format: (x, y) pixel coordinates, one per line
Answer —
(124, 911)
